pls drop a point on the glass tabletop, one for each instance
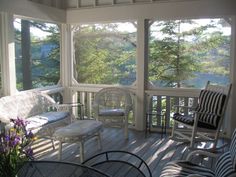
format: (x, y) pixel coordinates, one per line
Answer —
(57, 169)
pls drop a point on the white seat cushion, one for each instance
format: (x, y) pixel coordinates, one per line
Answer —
(112, 112)
(45, 118)
(79, 130)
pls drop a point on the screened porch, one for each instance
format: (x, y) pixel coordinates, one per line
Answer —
(162, 51)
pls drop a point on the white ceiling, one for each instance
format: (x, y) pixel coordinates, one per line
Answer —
(78, 4)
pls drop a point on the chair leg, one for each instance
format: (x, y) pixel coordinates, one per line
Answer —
(126, 133)
(173, 130)
(215, 140)
(60, 150)
(81, 144)
(194, 132)
(53, 144)
(126, 127)
(192, 139)
(99, 140)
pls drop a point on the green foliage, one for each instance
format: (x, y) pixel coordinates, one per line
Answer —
(104, 55)
(15, 148)
(45, 55)
(218, 57)
(177, 54)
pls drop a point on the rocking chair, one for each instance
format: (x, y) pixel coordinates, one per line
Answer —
(205, 122)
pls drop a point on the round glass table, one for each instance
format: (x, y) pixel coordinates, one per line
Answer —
(57, 169)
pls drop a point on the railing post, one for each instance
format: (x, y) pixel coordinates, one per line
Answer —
(168, 110)
(186, 103)
(159, 109)
(82, 100)
(89, 104)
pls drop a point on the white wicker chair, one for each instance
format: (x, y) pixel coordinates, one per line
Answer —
(41, 112)
(112, 106)
(205, 122)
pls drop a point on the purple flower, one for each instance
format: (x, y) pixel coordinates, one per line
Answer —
(7, 138)
(14, 144)
(14, 141)
(29, 152)
(20, 123)
(29, 135)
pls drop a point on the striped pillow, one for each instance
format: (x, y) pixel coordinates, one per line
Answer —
(226, 164)
(210, 102)
(232, 149)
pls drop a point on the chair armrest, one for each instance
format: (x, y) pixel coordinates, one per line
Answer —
(201, 152)
(68, 107)
(59, 107)
(128, 107)
(65, 106)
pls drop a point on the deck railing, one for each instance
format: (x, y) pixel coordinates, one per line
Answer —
(161, 100)
(85, 95)
(164, 103)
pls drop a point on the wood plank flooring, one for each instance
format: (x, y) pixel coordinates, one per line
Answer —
(153, 149)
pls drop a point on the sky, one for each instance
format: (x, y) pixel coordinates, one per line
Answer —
(129, 27)
(35, 31)
(226, 30)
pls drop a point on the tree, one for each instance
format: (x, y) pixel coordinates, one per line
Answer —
(26, 56)
(178, 51)
(104, 55)
(40, 57)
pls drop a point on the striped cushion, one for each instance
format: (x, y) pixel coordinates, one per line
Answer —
(188, 119)
(210, 102)
(232, 148)
(224, 166)
(208, 120)
(184, 168)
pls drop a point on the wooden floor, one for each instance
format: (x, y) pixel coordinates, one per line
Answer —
(156, 151)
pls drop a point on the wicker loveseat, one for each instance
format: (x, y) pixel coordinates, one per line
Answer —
(40, 110)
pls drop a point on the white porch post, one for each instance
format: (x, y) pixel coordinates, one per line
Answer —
(66, 61)
(7, 54)
(142, 63)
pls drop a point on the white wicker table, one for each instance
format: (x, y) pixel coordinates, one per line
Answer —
(79, 131)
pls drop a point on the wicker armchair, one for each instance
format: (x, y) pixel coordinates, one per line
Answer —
(41, 112)
(112, 106)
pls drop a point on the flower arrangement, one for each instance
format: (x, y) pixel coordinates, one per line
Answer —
(15, 148)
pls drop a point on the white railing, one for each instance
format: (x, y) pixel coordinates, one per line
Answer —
(85, 94)
(161, 100)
